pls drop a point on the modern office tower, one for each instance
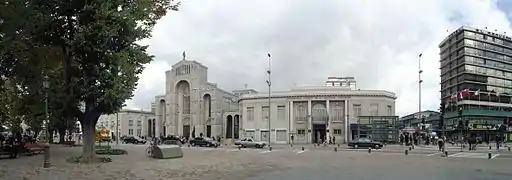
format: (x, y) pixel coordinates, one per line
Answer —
(476, 82)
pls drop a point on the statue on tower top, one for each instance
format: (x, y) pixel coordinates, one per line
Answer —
(184, 55)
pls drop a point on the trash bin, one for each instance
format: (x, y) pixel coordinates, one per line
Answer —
(167, 152)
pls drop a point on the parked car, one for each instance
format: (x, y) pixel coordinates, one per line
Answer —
(249, 142)
(365, 143)
(175, 138)
(203, 141)
(133, 140)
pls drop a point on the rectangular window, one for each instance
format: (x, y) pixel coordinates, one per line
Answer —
(390, 110)
(374, 109)
(301, 131)
(264, 136)
(264, 113)
(250, 134)
(250, 113)
(139, 123)
(186, 104)
(130, 122)
(337, 131)
(130, 131)
(281, 135)
(357, 110)
(139, 132)
(281, 113)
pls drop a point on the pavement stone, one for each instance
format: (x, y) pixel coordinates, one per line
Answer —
(229, 163)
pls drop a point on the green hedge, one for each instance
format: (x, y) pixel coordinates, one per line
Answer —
(111, 151)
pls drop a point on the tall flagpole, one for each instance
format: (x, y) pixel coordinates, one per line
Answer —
(269, 83)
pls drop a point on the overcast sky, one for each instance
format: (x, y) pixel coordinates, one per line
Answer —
(376, 41)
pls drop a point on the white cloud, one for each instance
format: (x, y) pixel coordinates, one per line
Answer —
(376, 41)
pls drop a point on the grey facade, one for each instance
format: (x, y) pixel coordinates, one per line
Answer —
(310, 113)
(192, 106)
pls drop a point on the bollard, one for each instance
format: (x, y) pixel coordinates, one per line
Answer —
(188, 145)
(302, 148)
(369, 150)
(446, 154)
(270, 148)
(509, 148)
(410, 148)
(291, 145)
(490, 147)
(406, 152)
(489, 155)
(338, 145)
(46, 163)
(335, 149)
(239, 147)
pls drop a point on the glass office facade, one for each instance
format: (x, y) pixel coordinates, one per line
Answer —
(379, 128)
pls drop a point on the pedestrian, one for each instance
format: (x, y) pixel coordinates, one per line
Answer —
(440, 144)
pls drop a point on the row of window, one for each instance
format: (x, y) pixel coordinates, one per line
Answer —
(281, 113)
(139, 132)
(303, 132)
(478, 61)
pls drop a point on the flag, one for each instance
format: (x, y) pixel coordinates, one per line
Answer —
(477, 92)
(463, 93)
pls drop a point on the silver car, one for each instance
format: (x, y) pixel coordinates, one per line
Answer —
(249, 142)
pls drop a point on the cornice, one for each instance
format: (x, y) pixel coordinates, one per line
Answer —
(318, 95)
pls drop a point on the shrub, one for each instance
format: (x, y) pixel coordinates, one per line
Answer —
(111, 151)
(80, 160)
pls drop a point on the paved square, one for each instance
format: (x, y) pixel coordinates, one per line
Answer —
(229, 163)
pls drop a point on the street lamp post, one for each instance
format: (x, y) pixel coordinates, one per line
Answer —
(117, 128)
(419, 93)
(269, 83)
(46, 163)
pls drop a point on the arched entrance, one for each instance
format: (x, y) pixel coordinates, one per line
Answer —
(183, 103)
(236, 126)
(319, 119)
(207, 113)
(229, 127)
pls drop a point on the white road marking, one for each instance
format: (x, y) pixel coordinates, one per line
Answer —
(233, 150)
(263, 152)
(455, 155)
(300, 152)
(494, 156)
(435, 154)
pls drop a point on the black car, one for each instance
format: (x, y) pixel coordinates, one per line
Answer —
(133, 140)
(173, 138)
(203, 141)
(365, 143)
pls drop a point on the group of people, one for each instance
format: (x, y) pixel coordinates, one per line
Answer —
(13, 144)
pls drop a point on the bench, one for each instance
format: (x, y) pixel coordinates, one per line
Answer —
(34, 148)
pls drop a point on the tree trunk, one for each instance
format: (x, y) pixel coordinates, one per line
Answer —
(88, 152)
(62, 135)
(50, 136)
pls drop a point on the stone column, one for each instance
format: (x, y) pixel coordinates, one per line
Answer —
(346, 122)
(309, 130)
(328, 125)
(179, 113)
(291, 120)
(158, 118)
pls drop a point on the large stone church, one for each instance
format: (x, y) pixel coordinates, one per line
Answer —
(192, 106)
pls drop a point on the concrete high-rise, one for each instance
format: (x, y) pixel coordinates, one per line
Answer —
(476, 80)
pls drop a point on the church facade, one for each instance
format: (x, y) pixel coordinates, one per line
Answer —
(192, 106)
